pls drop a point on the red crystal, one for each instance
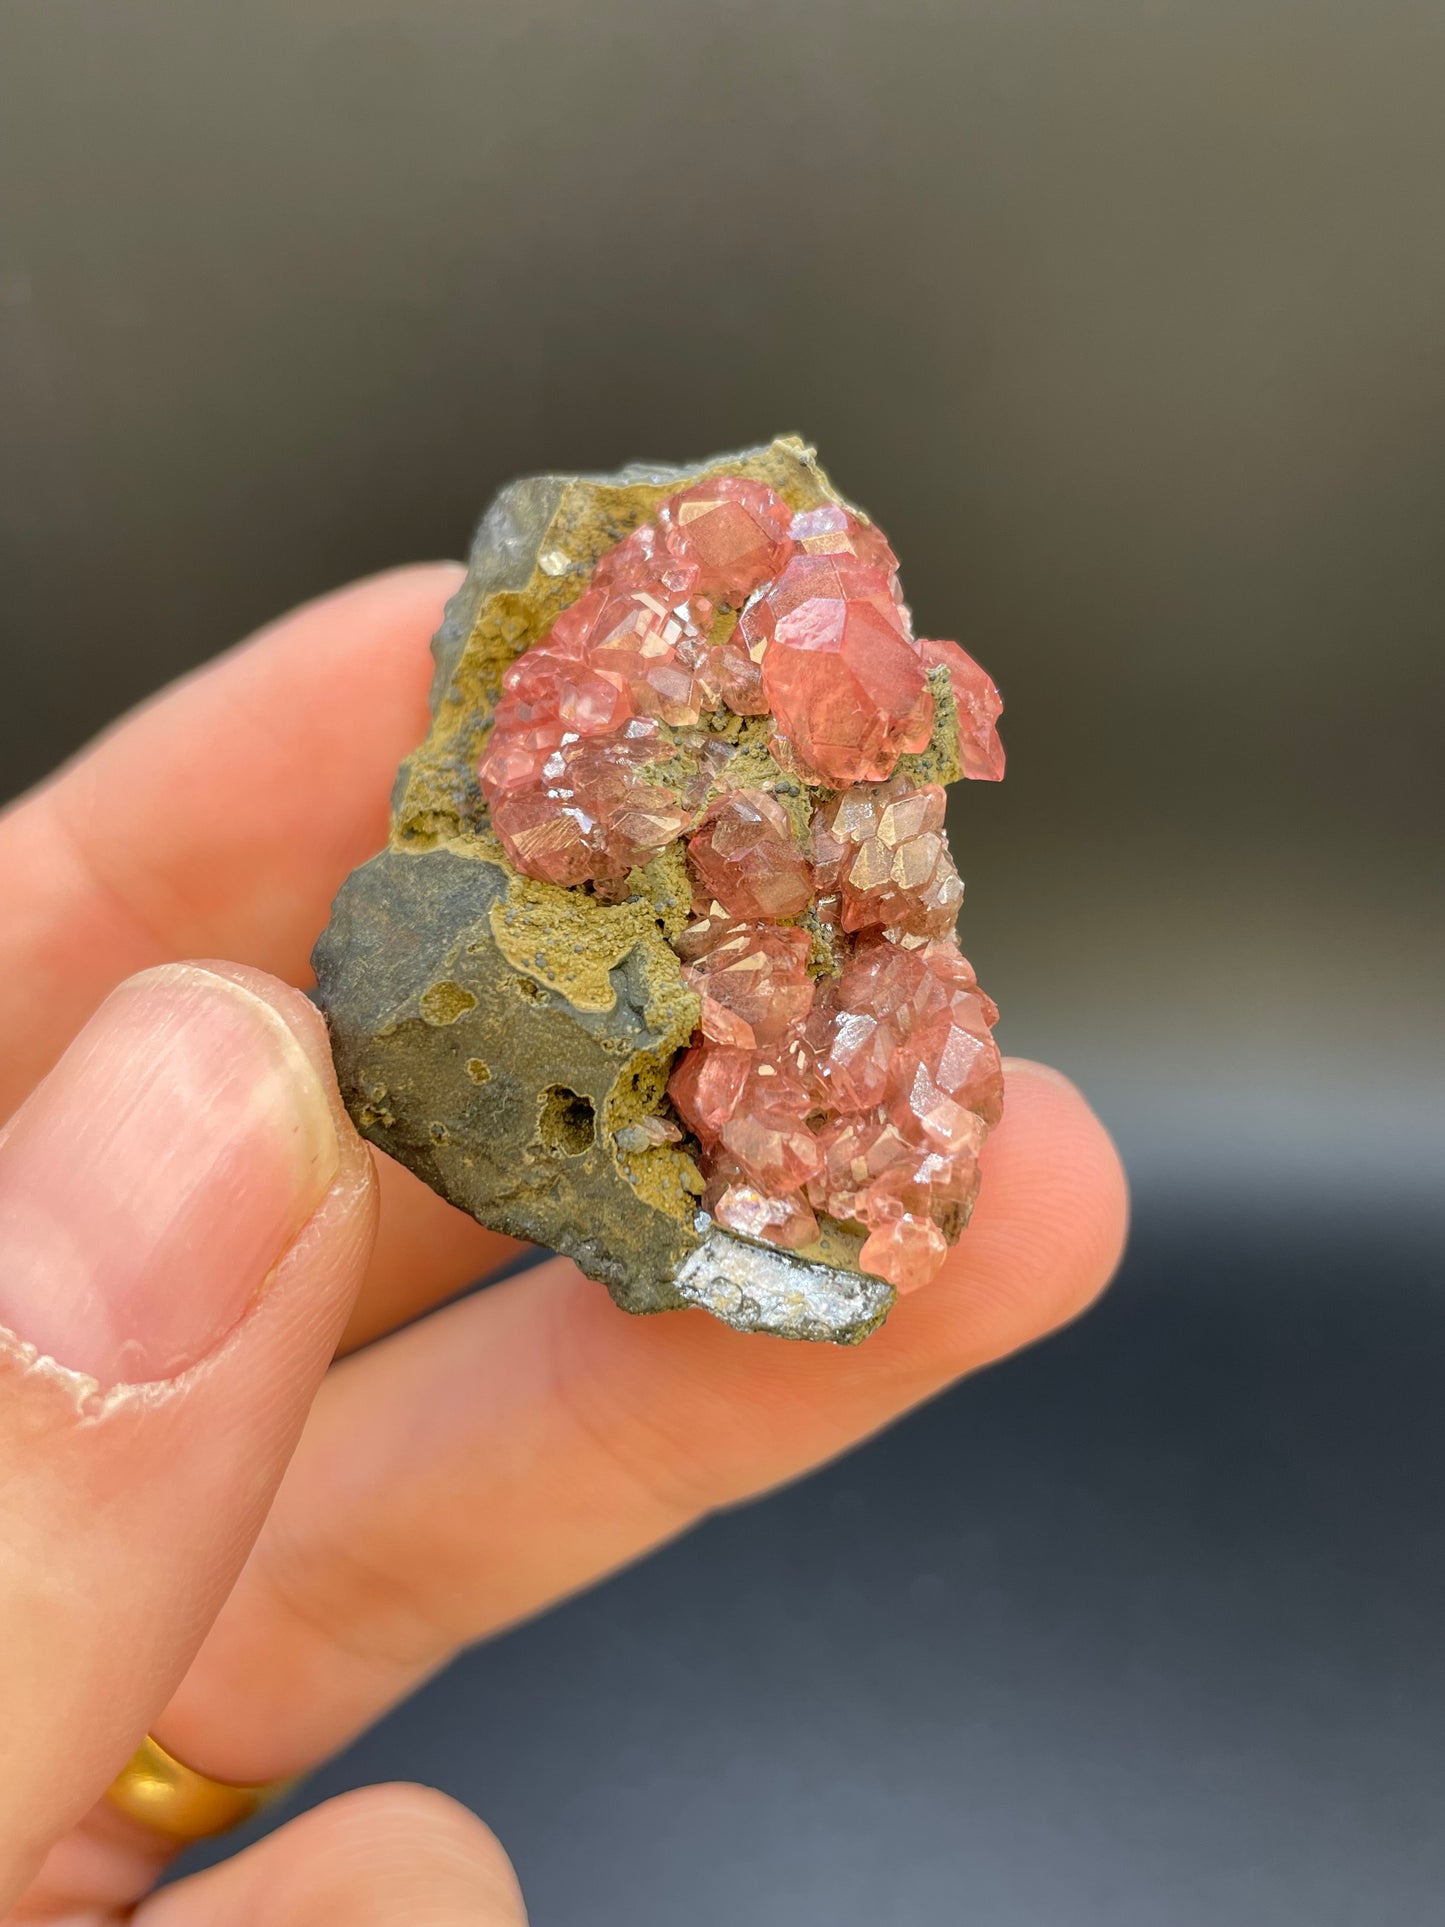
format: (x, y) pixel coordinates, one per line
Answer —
(831, 530)
(753, 981)
(979, 708)
(906, 1250)
(747, 858)
(734, 532)
(653, 649)
(844, 679)
(883, 850)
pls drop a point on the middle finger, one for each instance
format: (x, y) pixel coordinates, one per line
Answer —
(508, 1450)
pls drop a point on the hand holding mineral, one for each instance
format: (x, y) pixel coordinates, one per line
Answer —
(658, 967)
(321, 1478)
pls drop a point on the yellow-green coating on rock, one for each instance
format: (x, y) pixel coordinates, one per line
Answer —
(666, 886)
(573, 944)
(443, 1003)
(940, 762)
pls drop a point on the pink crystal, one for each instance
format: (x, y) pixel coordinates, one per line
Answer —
(831, 530)
(734, 532)
(641, 561)
(884, 850)
(979, 708)
(708, 925)
(755, 1105)
(706, 1087)
(844, 680)
(855, 1154)
(941, 1185)
(650, 645)
(905, 1250)
(753, 1213)
(943, 1101)
(768, 1133)
(748, 859)
(740, 675)
(585, 807)
(754, 984)
(902, 1051)
(851, 1051)
(951, 1056)
(908, 985)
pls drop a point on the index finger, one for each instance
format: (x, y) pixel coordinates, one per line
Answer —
(219, 819)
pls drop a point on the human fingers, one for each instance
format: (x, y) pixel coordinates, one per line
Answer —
(513, 1448)
(281, 756)
(218, 819)
(388, 1856)
(185, 1213)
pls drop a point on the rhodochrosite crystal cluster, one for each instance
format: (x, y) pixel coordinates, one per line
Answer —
(745, 680)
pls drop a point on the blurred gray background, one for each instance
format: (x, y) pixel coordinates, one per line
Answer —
(1128, 323)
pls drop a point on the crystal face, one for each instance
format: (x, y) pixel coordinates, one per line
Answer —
(745, 855)
(845, 681)
(745, 681)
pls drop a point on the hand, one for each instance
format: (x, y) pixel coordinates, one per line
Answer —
(222, 1521)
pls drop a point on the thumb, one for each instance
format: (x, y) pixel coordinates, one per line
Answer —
(184, 1216)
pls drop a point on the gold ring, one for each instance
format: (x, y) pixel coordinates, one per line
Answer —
(163, 1793)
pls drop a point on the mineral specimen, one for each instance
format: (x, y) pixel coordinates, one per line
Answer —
(658, 968)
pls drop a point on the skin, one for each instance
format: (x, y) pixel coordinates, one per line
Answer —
(242, 1531)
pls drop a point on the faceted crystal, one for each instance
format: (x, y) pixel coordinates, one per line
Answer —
(902, 1052)
(949, 1069)
(753, 981)
(746, 856)
(831, 530)
(844, 680)
(768, 1133)
(706, 1087)
(652, 648)
(851, 1051)
(642, 561)
(856, 1154)
(753, 1213)
(979, 708)
(586, 808)
(740, 672)
(753, 1103)
(734, 532)
(884, 851)
(906, 1250)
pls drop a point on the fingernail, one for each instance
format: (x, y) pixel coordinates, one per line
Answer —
(152, 1183)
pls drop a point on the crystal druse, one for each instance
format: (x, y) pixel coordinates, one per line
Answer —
(658, 967)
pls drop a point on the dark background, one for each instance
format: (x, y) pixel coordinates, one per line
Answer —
(1126, 322)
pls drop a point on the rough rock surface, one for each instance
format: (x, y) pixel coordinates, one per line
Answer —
(510, 1040)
